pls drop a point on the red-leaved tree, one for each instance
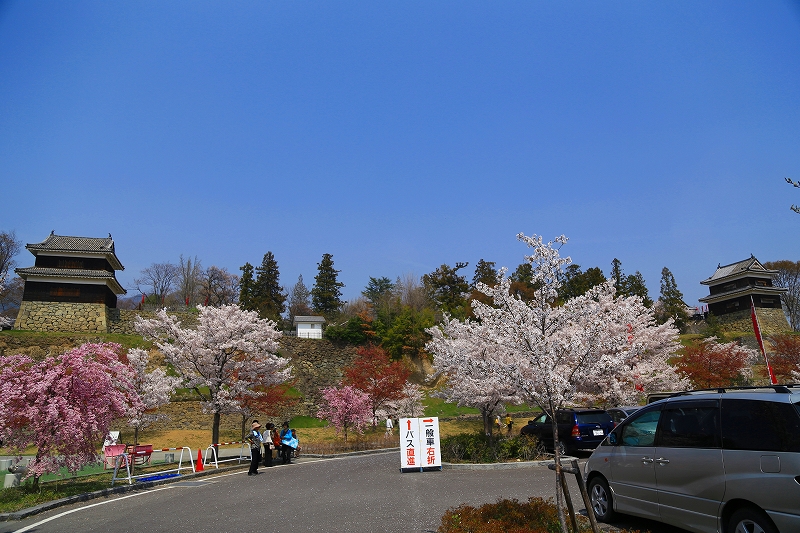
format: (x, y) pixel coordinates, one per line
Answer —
(785, 359)
(269, 400)
(345, 407)
(709, 363)
(374, 374)
(64, 405)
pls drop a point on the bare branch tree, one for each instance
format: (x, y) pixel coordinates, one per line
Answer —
(9, 248)
(219, 287)
(189, 280)
(158, 279)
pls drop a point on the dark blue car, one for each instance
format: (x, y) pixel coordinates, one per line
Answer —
(578, 429)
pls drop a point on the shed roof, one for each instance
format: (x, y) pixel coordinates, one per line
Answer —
(308, 320)
(92, 245)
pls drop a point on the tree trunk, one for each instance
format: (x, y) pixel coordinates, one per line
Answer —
(215, 429)
(559, 494)
(244, 424)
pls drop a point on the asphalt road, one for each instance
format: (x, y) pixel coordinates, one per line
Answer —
(346, 494)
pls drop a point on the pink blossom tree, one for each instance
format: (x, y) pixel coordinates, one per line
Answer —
(229, 353)
(155, 388)
(346, 407)
(64, 405)
(551, 351)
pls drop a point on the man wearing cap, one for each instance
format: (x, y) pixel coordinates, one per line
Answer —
(255, 440)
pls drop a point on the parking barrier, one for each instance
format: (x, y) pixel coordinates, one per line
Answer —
(127, 458)
(212, 450)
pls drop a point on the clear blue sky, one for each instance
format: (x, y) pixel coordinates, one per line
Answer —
(398, 136)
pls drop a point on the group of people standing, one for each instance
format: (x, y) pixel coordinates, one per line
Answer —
(285, 441)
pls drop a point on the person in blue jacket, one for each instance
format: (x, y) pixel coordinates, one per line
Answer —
(286, 444)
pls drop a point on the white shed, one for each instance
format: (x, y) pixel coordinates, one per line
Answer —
(309, 327)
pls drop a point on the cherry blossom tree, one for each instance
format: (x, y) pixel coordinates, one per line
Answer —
(155, 389)
(550, 351)
(346, 408)
(64, 405)
(709, 363)
(374, 374)
(409, 405)
(462, 352)
(229, 353)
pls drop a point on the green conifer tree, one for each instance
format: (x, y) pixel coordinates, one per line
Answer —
(269, 297)
(326, 293)
(246, 287)
(671, 301)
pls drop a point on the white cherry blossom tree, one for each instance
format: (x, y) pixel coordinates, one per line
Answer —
(467, 357)
(229, 353)
(155, 389)
(552, 352)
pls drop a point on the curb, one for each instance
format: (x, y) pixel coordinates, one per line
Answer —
(501, 466)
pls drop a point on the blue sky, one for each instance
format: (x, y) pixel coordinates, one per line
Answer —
(398, 136)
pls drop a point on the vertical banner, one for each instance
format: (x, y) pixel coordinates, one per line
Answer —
(429, 440)
(419, 443)
(409, 443)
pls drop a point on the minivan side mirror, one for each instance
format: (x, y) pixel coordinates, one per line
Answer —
(612, 439)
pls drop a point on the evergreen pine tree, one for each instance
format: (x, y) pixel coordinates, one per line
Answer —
(486, 273)
(326, 294)
(246, 287)
(671, 301)
(268, 296)
(618, 276)
(635, 286)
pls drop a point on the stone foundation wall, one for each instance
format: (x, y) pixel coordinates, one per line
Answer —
(771, 321)
(62, 316)
(316, 363)
(123, 320)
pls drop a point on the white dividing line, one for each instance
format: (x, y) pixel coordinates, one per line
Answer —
(59, 515)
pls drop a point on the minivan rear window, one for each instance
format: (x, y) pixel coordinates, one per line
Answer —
(760, 425)
(597, 417)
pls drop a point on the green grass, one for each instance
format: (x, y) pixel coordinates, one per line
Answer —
(307, 422)
(440, 408)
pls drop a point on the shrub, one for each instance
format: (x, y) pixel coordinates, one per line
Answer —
(508, 516)
(478, 448)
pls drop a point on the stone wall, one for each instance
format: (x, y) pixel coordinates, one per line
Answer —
(85, 318)
(123, 320)
(316, 363)
(771, 321)
(62, 316)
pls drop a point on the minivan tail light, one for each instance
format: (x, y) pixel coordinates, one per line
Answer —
(576, 432)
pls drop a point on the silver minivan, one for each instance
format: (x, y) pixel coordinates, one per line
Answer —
(714, 461)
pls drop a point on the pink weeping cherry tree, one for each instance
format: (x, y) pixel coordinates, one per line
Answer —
(64, 405)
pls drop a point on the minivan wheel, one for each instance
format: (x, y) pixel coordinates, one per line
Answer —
(748, 520)
(602, 503)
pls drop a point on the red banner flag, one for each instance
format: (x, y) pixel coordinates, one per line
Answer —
(757, 331)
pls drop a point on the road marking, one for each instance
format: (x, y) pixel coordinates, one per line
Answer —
(59, 515)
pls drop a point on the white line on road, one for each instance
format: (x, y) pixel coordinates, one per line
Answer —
(59, 515)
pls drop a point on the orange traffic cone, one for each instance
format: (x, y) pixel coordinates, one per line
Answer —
(199, 467)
